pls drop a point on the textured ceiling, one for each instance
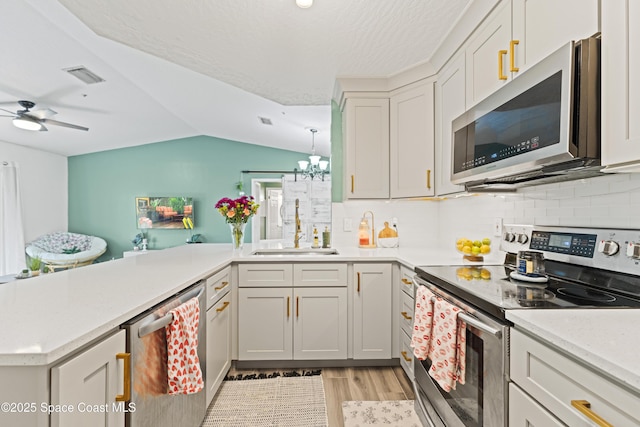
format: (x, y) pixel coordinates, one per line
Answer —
(272, 48)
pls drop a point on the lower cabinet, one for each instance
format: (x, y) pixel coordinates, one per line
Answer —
(553, 383)
(92, 378)
(298, 323)
(372, 324)
(218, 344)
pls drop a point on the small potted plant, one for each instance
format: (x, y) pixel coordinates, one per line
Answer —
(34, 265)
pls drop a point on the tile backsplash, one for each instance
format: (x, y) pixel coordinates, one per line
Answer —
(610, 201)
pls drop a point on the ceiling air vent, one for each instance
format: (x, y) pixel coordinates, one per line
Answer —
(82, 73)
(265, 121)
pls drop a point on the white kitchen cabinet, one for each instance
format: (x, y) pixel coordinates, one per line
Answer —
(412, 141)
(218, 285)
(406, 313)
(621, 86)
(526, 412)
(90, 383)
(265, 275)
(555, 380)
(518, 34)
(320, 323)
(372, 294)
(450, 103)
(306, 321)
(265, 324)
(218, 344)
(366, 148)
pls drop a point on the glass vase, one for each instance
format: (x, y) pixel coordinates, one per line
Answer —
(237, 234)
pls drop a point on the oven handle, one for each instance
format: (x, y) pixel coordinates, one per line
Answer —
(478, 324)
(422, 407)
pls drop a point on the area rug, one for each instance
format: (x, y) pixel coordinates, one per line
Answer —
(282, 401)
(358, 413)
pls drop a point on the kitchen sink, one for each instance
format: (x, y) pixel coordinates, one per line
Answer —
(293, 251)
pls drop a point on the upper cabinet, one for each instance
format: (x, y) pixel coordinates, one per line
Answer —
(366, 132)
(450, 103)
(621, 86)
(519, 33)
(412, 141)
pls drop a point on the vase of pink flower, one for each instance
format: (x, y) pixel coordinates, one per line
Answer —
(236, 213)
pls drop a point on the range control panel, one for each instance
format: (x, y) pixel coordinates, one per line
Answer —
(608, 249)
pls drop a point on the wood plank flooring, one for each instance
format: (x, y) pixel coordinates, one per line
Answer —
(366, 383)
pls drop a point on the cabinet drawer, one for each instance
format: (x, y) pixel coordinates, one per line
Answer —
(554, 380)
(406, 313)
(320, 274)
(406, 280)
(218, 285)
(406, 354)
(265, 275)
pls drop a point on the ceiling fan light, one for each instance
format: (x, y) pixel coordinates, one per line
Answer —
(28, 124)
(304, 4)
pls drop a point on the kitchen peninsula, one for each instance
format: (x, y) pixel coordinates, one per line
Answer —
(64, 313)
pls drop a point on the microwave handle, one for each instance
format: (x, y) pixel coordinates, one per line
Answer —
(478, 324)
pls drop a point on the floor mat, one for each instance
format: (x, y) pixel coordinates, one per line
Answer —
(358, 413)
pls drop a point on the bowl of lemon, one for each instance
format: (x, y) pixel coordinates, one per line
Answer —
(473, 250)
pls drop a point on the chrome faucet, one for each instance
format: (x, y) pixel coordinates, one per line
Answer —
(296, 239)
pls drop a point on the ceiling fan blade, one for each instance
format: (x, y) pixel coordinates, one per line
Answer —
(4, 115)
(67, 125)
(11, 112)
(43, 113)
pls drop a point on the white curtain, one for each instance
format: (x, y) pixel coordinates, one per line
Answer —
(12, 255)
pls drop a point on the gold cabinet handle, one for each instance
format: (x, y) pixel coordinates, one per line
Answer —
(288, 309)
(404, 355)
(585, 407)
(126, 394)
(353, 182)
(358, 282)
(429, 179)
(405, 315)
(512, 55)
(501, 54)
(224, 306)
(217, 288)
(406, 281)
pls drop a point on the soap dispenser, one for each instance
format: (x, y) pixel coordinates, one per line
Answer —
(316, 243)
(363, 232)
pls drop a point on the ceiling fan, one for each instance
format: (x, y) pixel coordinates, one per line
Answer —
(36, 120)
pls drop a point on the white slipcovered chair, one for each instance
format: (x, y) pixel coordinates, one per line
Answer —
(66, 250)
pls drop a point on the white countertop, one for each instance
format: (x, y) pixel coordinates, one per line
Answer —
(47, 317)
(606, 339)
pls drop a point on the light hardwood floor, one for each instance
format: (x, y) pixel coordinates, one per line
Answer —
(342, 384)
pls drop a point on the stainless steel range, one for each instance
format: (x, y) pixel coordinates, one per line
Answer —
(583, 268)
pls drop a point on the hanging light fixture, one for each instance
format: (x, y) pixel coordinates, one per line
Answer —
(314, 167)
(304, 4)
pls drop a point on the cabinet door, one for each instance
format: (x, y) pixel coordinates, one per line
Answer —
(217, 285)
(366, 130)
(526, 412)
(265, 324)
(487, 56)
(90, 380)
(218, 344)
(542, 26)
(411, 142)
(320, 324)
(450, 103)
(620, 84)
(372, 294)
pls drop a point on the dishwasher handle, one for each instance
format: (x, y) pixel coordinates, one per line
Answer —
(165, 320)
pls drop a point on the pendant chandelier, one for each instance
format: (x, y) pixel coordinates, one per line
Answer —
(314, 167)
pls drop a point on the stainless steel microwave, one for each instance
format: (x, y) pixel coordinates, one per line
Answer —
(543, 126)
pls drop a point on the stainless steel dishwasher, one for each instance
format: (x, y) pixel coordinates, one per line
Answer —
(146, 341)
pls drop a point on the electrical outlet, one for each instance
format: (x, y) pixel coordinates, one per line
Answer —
(497, 227)
(347, 225)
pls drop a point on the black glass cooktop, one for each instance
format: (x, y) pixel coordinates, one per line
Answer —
(569, 286)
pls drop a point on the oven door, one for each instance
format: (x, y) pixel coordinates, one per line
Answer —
(482, 400)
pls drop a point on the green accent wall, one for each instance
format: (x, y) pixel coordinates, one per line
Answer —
(337, 158)
(103, 187)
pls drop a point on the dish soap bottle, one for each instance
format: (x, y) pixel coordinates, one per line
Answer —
(326, 238)
(363, 232)
(316, 243)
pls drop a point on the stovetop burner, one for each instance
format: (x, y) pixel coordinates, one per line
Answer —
(586, 294)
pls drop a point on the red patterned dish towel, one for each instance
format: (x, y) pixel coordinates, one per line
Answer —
(448, 345)
(422, 322)
(183, 365)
